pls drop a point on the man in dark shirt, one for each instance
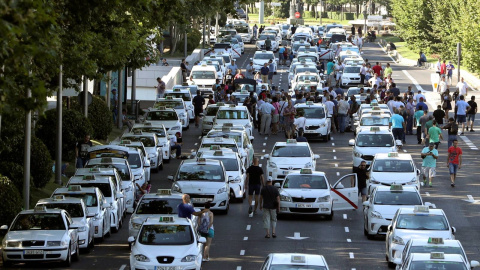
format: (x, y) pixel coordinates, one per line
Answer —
(300, 137)
(81, 151)
(185, 209)
(253, 183)
(421, 105)
(270, 203)
(471, 113)
(395, 90)
(361, 172)
(264, 72)
(183, 67)
(439, 114)
(198, 102)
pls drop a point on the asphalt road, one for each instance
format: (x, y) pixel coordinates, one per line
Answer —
(239, 241)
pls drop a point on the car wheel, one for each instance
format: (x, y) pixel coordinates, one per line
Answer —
(391, 265)
(76, 256)
(167, 160)
(115, 229)
(7, 264)
(330, 217)
(232, 196)
(325, 138)
(91, 245)
(68, 261)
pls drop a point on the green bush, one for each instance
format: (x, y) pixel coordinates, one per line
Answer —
(14, 172)
(349, 16)
(10, 200)
(74, 128)
(41, 164)
(100, 118)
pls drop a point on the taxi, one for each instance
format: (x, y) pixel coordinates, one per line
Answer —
(162, 136)
(287, 157)
(350, 75)
(209, 116)
(393, 168)
(82, 219)
(167, 117)
(419, 222)
(300, 67)
(161, 203)
(307, 48)
(242, 95)
(260, 43)
(219, 67)
(296, 45)
(167, 243)
(218, 143)
(429, 245)
(307, 86)
(317, 124)
(137, 158)
(40, 234)
(303, 56)
(370, 141)
(107, 187)
(204, 76)
(178, 105)
(205, 180)
(294, 261)
(234, 168)
(151, 144)
(373, 119)
(305, 76)
(244, 142)
(348, 54)
(96, 204)
(187, 97)
(262, 57)
(434, 260)
(383, 203)
(193, 88)
(237, 115)
(309, 192)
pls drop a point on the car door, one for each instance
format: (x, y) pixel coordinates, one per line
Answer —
(72, 233)
(345, 193)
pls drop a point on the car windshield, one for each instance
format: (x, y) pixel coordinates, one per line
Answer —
(134, 161)
(291, 151)
(90, 199)
(217, 68)
(312, 112)
(104, 188)
(264, 37)
(374, 121)
(212, 110)
(184, 96)
(203, 75)
(429, 248)
(158, 206)
(375, 140)
(438, 265)
(219, 62)
(232, 114)
(170, 104)
(397, 198)
(74, 209)
(285, 27)
(166, 235)
(299, 38)
(388, 165)
(423, 221)
(305, 57)
(355, 70)
(157, 130)
(305, 181)
(222, 145)
(263, 56)
(241, 98)
(242, 29)
(305, 69)
(122, 169)
(296, 267)
(162, 115)
(230, 164)
(228, 135)
(147, 141)
(198, 172)
(311, 78)
(38, 221)
(353, 91)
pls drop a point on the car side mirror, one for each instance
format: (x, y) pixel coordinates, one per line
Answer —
(267, 156)
(147, 163)
(397, 261)
(366, 204)
(4, 227)
(130, 210)
(72, 227)
(202, 240)
(454, 230)
(230, 179)
(131, 239)
(316, 156)
(170, 177)
(389, 228)
(474, 264)
(418, 172)
(351, 142)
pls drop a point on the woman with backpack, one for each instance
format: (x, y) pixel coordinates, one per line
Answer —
(446, 100)
(205, 228)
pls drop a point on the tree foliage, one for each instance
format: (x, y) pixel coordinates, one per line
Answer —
(10, 200)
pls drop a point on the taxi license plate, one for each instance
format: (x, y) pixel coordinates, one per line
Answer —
(33, 252)
(303, 205)
(310, 131)
(201, 200)
(286, 172)
(165, 268)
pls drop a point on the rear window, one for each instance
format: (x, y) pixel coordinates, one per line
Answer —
(291, 151)
(397, 198)
(158, 206)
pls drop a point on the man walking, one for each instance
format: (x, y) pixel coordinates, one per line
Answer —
(397, 124)
(452, 128)
(362, 176)
(198, 102)
(435, 134)
(462, 87)
(271, 71)
(81, 151)
(160, 88)
(266, 110)
(471, 113)
(264, 73)
(270, 203)
(343, 107)
(429, 155)
(462, 108)
(253, 183)
(249, 70)
(419, 114)
(454, 161)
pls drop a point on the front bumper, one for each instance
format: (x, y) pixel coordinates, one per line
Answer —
(278, 175)
(83, 238)
(395, 251)
(50, 254)
(315, 133)
(378, 226)
(217, 201)
(350, 82)
(153, 264)
(322, 208)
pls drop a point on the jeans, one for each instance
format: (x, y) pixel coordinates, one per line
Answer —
(341, 121)
(178, 147)
(410, 124)
(398, 134)
(80, 162)
(419, 134)
(451, 138)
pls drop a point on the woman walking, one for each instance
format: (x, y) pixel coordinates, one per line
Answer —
(446, 102)
(205, 228)
(289, 114)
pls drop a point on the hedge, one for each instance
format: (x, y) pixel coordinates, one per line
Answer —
(10, 200)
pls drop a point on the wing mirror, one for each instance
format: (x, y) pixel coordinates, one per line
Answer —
(277, 185)
(202, 240)
(119, 195)
(454, 230)
(170, 177)
(131, 239)
(474, 264)
(351, 142)
(366, 204)
(397, 261)
(267, 156)
(316, 156)
(230, 179)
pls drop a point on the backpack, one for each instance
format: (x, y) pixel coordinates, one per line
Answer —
(454, 128)
(205, 221)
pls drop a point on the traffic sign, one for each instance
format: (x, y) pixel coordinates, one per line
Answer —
(297, 15)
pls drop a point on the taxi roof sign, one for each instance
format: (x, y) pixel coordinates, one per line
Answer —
(421, 209)
(376, 108)
(292, 141)
(437, 255)
(166, 219)
(89, 177)
(375, 129)
(168, 97)
(307, 81)
(58, 197)
(94, 170)
(147, 124)
(106, 160)
(218, 139)
(298, 259)
(376, 113)
(309, 102)
(164, 192)
(215, 147)
(137, 132)
(243, 92)
(220, 103)
(218, 153)
(176, 90)
(161, 108)
(232, 105)
(393, 154)
(40, 208)
(306, 171)
(201, 161)
(75, 188)
(226, 129)
(435, 240)
(126, 142)
(396, 187)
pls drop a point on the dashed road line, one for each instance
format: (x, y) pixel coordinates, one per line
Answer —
(199, 137)
(334, 157)
(239, 268)
(264, 144)
(123, 266)
(344, 216)
(262, 157)
(338, 173)
(333, 151)
(349, 240)
(196, 143)
(333, 144)
(266, 138)
(242, 252)
(263, 150)
(351, 255)
(469, 143)
(427, 194)
(245, 238)
(347, 229)
(336, 165)
(413, 80)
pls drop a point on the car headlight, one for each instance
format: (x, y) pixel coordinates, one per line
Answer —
(285, 198)
(357, 154)
(81, 229)
(308, 165)
(12, 244)
(324, 199)
(398, 240)
(189, 258)
(54, 243)
(176, 188)
(222, 190)
(413, 181)
(175, 128)
(248, 125)
(236, 180)
(141, 258)
(375, 214)
(151, 156)
(272, 165)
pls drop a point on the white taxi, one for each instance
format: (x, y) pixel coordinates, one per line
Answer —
(162, 137)
(136, 156)
(96, 204)
(167, 117)
(178, 105)
(434, 260)
(40, 234)
(419, 222)
(429, 245)
(237, 115)
(383, 203)
(205, 180)
(373, 119)
(209, 115)
(370, 141)
(260, 44)
(289, 156)
(294, 261)
(262, 57)
(309, 192)
(393, 168)
(306, 76)
(186, 95)
(300, 67)
(234, 168)
(166, 243)
(317, 124)
(82, 219)
(151, 144)
(350, 75)
(204, 77)
(244, 142)
(304, 56)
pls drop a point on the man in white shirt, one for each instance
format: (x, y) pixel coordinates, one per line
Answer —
(330, 111)
(266, 109)
(442, 86)
(418, 96)
(343, 107)
(359, 42)
(462, 87)
(249, 70)
(300, 122)
(363, 73)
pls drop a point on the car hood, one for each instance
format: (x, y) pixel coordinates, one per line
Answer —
(176, 251)
(39, 235)
(315, 121)
(304, 192)
(205, 187)
(388, 211)
(393, 177)
(260, 62)
(373, 150)
(202, 82)
(167, 123)
(415, 234)
(286, 162)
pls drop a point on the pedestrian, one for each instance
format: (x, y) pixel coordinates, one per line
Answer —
(275, 115)
(126, 121)
(176, 145)
(289, 114)
(271, 71)
(198, 103)
(359, 42)
(359, 30)
(280, 55)
(452, 128)
(343, 107)
(81, 151)
(435, 134)
(362, 177)
(186, 210)
(438, 66)
(397, 125)
(450, 68)
(300, 122)
(233, 66)
(446, 100)
(164, 62)
(429, 164)
(363, 73)
(142, 190)
(331, 112)
(410, 108)
(300, 137)
(183, 67)
(462, 108)
(462, 87)
(377, 69)
(422, 59)
(270, 205)
(419, 96)
(264, 72)
(352, 30)
(417, 116)
(160, 88)
(266, 110)
(255, 29)
(253, 184)
(471, 113)
(388, 70)
(443, 69)
(454, 161)
(354, 106)
(205, 228)
(428, 124)
(228, 77)
(442, 85)
(330, 72)
(114, 105)
(422, 104)
(239, 75)
(285, 55)
(268, 44)
(250, 70)
(439, 115)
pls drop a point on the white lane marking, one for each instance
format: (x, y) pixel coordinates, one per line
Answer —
(192, 150)
(242, 252)
(349, 240)
(196, 143)
(404, 150)
(469, 143)
(266, 138)
(249, 227)
(199, 137)
(264, 144)
(333, 151)
(413, 80)
(427, 194)
(334, 157)
(123, 266)
(387, 53)
(333, 144)
(331, 138)
(261, 157)
(471, 199)
(351, 255)
(239, 268)
(344, 216)
(338, 173)
(347, 229)
(336, 165)
(296, 236)
(263, 150)
(245, 238)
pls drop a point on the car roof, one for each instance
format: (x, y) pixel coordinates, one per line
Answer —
(226, 153)
(287, 259)
(436, 211)
(416, 242)
(219, 140)
(291, 144)
(91, 171)
(236, 108)
(176, 221)
(401, 156)
(207, 161)
(47, 211)
(311, 105)
(426, 257)
(404, 188)
(66, 191)
(64, 200)
(108, 160)
(366, 130)
(98, 179)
